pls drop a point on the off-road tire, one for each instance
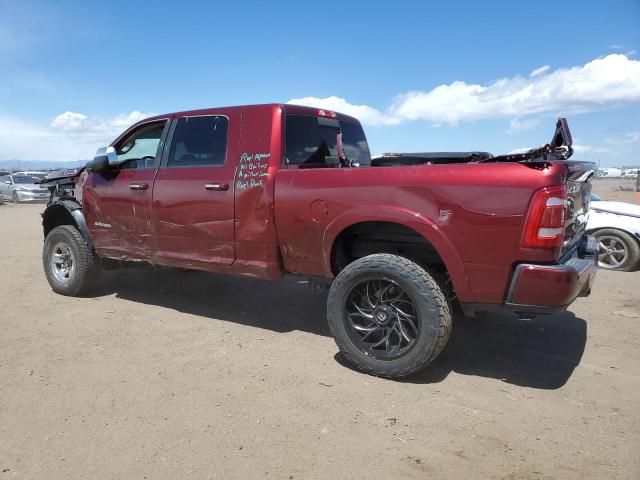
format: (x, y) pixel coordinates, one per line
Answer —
(632, 261)
(87, 269)
(434, 314)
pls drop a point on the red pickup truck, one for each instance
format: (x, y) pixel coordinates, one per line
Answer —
(269, 190)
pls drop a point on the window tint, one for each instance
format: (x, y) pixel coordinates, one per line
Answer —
(307, 143)
(141, 147)
(199, 141)
(311, 142)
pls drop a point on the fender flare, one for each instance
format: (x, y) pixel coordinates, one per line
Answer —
(74, 209)
(421, 224)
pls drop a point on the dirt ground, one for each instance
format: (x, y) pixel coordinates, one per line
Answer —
(616, 189)
(166, 374)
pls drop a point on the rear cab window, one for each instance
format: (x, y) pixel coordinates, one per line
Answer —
(313, 142)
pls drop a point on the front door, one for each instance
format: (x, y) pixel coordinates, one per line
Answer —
(117, 202)
(193, 193)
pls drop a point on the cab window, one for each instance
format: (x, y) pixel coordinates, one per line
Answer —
(312, 142)
(199, 141)
(141, 148)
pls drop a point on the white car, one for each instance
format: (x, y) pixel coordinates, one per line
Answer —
(616, 226)
(22, 188)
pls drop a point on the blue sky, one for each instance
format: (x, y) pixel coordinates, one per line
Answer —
(421, 75)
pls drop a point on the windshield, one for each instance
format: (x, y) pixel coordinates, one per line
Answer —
(312, 142)
(24, 179)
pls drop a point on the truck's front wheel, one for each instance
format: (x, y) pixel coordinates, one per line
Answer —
(388, 316)
(69, 263)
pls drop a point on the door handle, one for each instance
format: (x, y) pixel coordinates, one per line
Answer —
(220, 187)
(138, 186)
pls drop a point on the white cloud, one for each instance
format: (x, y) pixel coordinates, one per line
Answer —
(69, 121)
(627, 138)
(605, 81)
(79, 123)
(364, 113)
(69, 136)
(616, 46)
(632, 137)
(539, 71)
(517, 125)
(582, 148)
(602, 82)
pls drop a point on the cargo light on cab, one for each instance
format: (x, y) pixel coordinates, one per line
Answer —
(327, 113)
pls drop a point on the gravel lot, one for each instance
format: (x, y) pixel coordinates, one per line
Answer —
(166, 374)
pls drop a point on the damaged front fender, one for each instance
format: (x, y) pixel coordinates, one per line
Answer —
(65, 212)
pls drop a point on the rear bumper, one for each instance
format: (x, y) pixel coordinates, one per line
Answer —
(543, 289)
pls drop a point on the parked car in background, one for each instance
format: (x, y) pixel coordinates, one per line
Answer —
(22, 188)
(610, 172)
(616, 226)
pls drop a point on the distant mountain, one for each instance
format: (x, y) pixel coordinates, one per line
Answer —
(39, 164)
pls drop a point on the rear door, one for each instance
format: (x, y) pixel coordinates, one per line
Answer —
(193, 193)
(117, 202)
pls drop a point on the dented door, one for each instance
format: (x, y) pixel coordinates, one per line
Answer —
(117, 202)
(193, 194)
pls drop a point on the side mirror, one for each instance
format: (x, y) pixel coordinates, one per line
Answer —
(105, 159)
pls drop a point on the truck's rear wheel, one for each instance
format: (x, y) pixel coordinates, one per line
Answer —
(69, 263)
(388, 316)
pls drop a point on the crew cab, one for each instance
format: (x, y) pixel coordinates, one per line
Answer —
(270, 190)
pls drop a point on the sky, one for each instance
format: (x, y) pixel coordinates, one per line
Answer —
(421, 76)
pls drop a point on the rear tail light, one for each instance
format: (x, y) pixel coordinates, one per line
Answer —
(545, 224)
